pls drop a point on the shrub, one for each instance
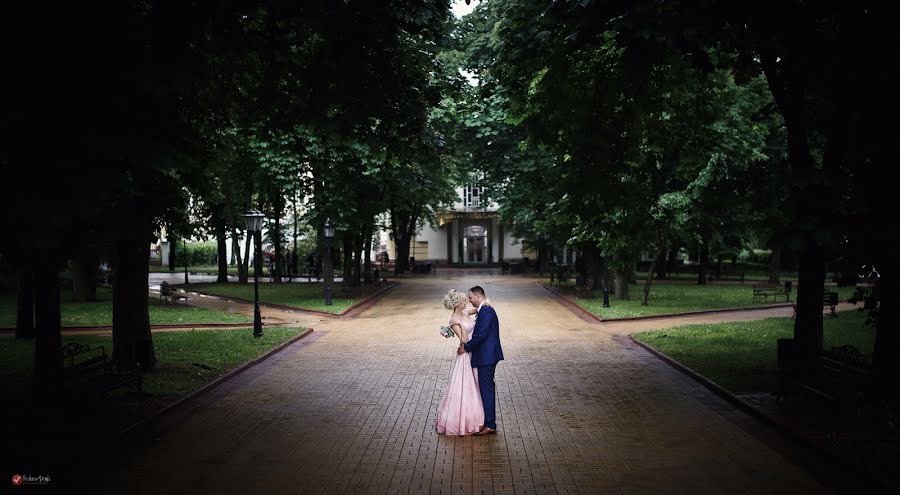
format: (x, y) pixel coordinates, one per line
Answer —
(199, 253)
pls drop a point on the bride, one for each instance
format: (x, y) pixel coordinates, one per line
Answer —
(461, 411)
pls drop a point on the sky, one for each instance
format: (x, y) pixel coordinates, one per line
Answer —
(460, 8)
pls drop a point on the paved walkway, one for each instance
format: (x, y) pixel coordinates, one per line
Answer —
(351, 410)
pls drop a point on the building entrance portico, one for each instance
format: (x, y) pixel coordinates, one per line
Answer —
(475, 241)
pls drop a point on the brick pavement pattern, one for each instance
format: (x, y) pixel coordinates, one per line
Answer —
(351, 409)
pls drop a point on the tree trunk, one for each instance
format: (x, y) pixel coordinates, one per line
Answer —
(401, 264)
(645, 297)
(173, 241)
(247, 244)
(24, 303)
(132, 341)
(593, 266)
(222, 248)
(660, 262)
(672, 261)
(83, 270)
(278, 261)
(886, 354)
(257, 255)
(403, 223)
(236, 253)
(808, 325)
(703, 261)
(358, 241)
(620, 284)
(775, 266)
(347, 243)
(367, 260)
(48, 338)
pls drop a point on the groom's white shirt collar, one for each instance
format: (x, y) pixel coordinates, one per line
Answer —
(479, 307)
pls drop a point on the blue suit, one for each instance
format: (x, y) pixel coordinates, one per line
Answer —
(486, 353)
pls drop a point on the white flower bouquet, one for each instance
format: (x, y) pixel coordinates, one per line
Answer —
(447, 332)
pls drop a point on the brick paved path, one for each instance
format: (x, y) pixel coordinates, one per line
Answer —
(351, 410)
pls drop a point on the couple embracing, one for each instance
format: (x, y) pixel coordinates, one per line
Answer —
(468, 405)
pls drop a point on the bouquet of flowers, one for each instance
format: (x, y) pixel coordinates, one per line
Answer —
(447, 332)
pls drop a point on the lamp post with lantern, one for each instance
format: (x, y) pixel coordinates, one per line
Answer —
(254, 219)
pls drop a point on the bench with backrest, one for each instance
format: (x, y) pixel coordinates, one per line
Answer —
(88, 371)
(170, 294)
(829, 300)
(843, 376)
(765, 291)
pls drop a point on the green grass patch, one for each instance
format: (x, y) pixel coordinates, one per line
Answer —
(740, 356)
(305, 296)
(99, 313)
(667, 298)
(186, 359)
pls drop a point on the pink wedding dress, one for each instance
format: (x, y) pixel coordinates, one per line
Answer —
(461, 411)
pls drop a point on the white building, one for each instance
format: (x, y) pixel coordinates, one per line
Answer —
(466, 233)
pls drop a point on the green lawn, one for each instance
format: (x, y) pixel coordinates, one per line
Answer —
(305, 295)
(99, 313)
(740, 356)
(187, 359)
(667, 298)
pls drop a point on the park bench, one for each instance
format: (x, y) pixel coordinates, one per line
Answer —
(843, 377)
(88, 371)
(829, 300)
(765, 291)
(170, 294)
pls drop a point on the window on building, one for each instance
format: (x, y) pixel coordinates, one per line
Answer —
(472, 195)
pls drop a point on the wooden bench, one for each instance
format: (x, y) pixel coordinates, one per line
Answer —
(829, 300)
(845, 381)
(88, 371)
(765, 291)
(170, 294)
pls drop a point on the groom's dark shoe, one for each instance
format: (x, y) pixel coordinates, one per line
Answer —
(486, 431)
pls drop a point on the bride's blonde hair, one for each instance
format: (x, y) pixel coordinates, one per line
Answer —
(453, 298)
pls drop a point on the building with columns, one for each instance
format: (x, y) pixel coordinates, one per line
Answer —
(467, 233)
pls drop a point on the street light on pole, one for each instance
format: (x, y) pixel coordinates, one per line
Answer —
(329, 271)
(254, 221)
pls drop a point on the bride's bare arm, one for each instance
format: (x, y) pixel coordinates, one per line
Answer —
(472, 311)
(459, 333)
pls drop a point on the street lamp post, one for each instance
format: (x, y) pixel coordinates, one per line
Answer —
(329, 271)
(254, 221)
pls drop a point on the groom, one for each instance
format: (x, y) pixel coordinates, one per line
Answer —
(486, 353)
